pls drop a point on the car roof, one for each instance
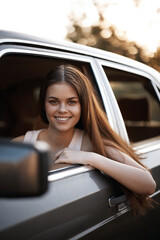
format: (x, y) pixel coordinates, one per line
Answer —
(16, 37)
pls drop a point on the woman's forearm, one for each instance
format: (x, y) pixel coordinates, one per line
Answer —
(136, 179)
(127, 172)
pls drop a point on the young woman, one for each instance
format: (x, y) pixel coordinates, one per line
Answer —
(78, 132)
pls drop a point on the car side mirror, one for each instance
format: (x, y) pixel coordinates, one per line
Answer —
(23, 168)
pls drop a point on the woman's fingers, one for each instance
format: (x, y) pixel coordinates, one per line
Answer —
(71, 156)
(66, 156)
(58, 154)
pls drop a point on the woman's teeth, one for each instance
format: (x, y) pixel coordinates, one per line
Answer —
(62, 119)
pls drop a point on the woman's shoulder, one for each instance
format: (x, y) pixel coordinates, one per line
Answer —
(29, 136)
(18, 139)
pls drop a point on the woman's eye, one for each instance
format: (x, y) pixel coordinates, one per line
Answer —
(53, 102)
(72, 102)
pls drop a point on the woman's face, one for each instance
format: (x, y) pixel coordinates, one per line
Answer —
(62, 106)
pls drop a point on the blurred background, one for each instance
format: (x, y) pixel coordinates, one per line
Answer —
(128, 27)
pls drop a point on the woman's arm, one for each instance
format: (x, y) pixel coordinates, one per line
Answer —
(129, 173)
(123, 168)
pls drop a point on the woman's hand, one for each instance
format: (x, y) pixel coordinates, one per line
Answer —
(72, 156)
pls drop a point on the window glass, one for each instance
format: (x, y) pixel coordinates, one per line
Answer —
(138, 103)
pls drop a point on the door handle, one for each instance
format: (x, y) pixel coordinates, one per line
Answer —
(116, 200)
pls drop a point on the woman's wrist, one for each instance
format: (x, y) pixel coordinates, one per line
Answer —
(91, 158)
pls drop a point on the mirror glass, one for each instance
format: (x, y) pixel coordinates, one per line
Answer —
(23, 169)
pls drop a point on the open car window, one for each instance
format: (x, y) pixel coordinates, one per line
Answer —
(21, 76)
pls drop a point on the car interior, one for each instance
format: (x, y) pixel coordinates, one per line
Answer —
(138, 103)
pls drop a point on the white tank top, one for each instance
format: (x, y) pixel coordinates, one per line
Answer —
(76, 142)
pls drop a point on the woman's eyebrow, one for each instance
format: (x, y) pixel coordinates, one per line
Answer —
(51, 97)
(73, 98)
(70, 98)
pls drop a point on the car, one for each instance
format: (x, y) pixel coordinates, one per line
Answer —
(75, 201)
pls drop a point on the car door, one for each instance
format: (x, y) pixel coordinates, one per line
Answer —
(76, 203)
(135, 92)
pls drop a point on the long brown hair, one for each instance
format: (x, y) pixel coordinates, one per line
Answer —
(95, 123)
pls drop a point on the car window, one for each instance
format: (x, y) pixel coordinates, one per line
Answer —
(20, 79)
(138, 103)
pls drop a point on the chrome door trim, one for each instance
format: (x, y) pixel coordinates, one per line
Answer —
(138, 68)
(149, 145)
(100, 224)
(155, 193)
(105, 97)
(42, 52)
(121, 128)
(156, 90)
(54, 176)
(146, 147)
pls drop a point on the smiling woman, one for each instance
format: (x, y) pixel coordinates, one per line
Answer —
(79, 133)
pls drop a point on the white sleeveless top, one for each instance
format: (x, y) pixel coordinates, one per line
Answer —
(76, 142)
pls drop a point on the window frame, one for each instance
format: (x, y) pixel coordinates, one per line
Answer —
(55, 175)
(107, 95)
(144, 71)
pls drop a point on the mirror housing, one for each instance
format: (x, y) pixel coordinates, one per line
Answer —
(23, 168)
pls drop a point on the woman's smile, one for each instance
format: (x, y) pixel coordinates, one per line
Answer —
(62, 119)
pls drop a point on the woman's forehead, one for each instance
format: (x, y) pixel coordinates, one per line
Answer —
(62, 89)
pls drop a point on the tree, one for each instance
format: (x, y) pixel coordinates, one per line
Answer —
(106, 37)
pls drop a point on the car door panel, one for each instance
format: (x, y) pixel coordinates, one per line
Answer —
(70, 206)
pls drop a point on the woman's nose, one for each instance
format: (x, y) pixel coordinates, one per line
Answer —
(62, 108)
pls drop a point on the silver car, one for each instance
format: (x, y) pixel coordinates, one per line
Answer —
(80, 202)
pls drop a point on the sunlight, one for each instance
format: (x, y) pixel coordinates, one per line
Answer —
(139, 24)
(42, 18)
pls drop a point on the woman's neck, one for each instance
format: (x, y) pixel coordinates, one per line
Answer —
(57, 139)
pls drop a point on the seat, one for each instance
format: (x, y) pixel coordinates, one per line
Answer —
(136, 114)
(134, 109)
